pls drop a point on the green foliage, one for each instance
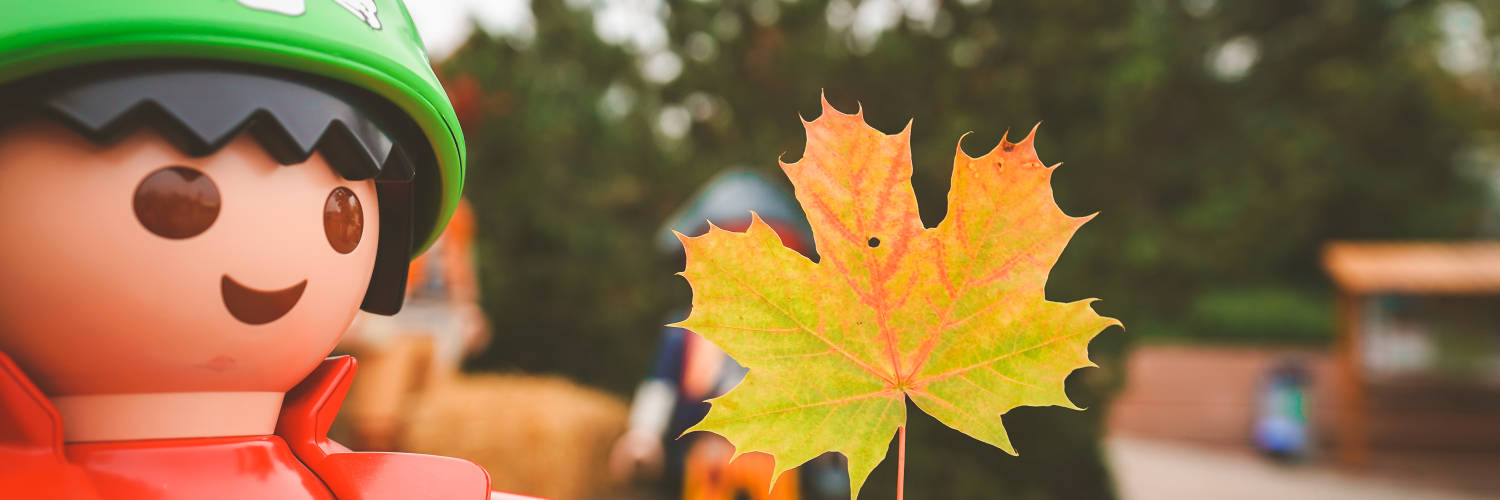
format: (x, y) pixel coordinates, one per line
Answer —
(1263, 315)
(567, 203)
(1344, 127)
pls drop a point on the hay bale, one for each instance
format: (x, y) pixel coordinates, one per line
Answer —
(537, 435)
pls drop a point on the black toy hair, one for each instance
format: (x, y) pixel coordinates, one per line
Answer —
(201, 106)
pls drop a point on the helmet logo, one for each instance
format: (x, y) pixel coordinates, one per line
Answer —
(365, 10)
(288, 7)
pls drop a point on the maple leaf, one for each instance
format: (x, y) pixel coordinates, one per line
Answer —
(952, 317)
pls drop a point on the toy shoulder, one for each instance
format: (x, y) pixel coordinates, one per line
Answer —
(32, 462)
(305, 419)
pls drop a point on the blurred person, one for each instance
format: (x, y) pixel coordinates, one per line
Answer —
(688, 370)
(403, 356)
(1281, 423)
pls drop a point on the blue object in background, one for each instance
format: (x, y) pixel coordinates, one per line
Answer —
(1281, 424)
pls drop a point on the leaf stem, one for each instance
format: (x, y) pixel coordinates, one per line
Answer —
(900, 461)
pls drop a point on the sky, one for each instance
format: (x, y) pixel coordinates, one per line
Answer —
(445, 24)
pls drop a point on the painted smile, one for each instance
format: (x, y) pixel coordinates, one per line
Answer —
(256, 307)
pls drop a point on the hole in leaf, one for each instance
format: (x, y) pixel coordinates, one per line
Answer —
(874, 242)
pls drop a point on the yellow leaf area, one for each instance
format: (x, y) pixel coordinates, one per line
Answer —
(953, 317)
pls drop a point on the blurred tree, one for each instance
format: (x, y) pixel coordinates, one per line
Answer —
(568, 186)
(1223, 142)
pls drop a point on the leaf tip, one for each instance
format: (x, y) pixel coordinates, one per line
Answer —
(959, 150)
(738, 451)
(711, 227)
(1108, 321)
(830, 111)
(823, 100)
(689, 430)
(1030, 136)
(1115, 323)
(778, 467)
(780, 161)
(759, 225)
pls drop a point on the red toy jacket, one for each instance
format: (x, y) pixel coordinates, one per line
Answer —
(298, 462)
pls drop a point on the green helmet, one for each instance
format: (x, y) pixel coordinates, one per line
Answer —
(371, 44)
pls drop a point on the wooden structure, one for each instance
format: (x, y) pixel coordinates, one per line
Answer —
(1363, 270)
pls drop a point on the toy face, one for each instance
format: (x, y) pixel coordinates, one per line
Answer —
(133, 268)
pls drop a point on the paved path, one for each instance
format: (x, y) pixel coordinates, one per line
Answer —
(1148, 469)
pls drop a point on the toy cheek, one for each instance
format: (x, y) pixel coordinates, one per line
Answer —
(343, 220)
(176, 202)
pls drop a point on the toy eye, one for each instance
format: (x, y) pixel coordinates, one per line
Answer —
(177, 202)
(343, 220)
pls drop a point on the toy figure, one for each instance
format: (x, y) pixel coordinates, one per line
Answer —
(405, 355)
(689, 370)
(198, 197)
